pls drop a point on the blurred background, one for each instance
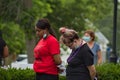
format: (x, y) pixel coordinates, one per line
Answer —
(18, 18)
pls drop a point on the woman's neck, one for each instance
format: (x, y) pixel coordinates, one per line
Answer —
(91, 44)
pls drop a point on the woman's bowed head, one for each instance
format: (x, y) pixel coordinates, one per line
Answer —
(65, 32)
(80, 60)
(62, 30)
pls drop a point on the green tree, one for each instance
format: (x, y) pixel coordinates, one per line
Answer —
(13, 36)
(23, 13)
(74, 13)
(106, 26)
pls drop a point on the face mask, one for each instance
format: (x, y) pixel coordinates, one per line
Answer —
(76, 47)
(86, 38)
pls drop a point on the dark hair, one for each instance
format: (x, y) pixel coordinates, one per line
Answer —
(44, 24)
(0, 33)
(91, 33)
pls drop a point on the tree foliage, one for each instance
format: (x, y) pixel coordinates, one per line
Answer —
(72, 13)
(106, 26)
(17, 20)
(13, 36)
(29, 16)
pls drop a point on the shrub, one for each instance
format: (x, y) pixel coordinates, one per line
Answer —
(107, 71)
(16, 74)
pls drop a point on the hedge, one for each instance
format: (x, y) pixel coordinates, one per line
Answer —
(107, 71)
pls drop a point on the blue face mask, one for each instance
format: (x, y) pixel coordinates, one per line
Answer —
(76, 47)
(86, 38)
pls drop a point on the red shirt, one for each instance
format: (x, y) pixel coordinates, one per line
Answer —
(43, 53)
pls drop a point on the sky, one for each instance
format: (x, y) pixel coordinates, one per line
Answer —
(118, 0)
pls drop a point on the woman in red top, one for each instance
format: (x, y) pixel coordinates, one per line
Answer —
(46, 52)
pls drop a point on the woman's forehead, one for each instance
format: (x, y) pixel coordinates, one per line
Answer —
(87, 34)
(66, 40)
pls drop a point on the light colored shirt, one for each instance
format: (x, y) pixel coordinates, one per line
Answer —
(95, 50)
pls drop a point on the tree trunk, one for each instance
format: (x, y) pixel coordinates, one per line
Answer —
(30, 46)
(28, 3)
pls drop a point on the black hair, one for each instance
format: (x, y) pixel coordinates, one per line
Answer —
(45, 24)
(0, 34)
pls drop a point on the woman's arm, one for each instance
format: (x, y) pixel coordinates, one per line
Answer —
(99, 57)
(5, 51)
(92, 71)
(57, 59)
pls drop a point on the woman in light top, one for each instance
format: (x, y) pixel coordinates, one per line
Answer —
(89, 37)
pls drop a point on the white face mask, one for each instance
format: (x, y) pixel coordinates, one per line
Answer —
(86, 38)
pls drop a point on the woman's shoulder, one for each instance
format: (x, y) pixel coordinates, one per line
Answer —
(96, 44)
(52, 39)
(85, 46)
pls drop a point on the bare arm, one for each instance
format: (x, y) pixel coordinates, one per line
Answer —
(5, 51)
(57, 59)
(99, 57)
(92, 71)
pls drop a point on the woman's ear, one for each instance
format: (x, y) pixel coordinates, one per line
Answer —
(91, 38)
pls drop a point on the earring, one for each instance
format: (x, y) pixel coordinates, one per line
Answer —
(44, 36)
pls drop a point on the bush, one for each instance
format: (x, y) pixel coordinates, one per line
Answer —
(16, 74)
(19, 74)
(4, 75)
(107, 71)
